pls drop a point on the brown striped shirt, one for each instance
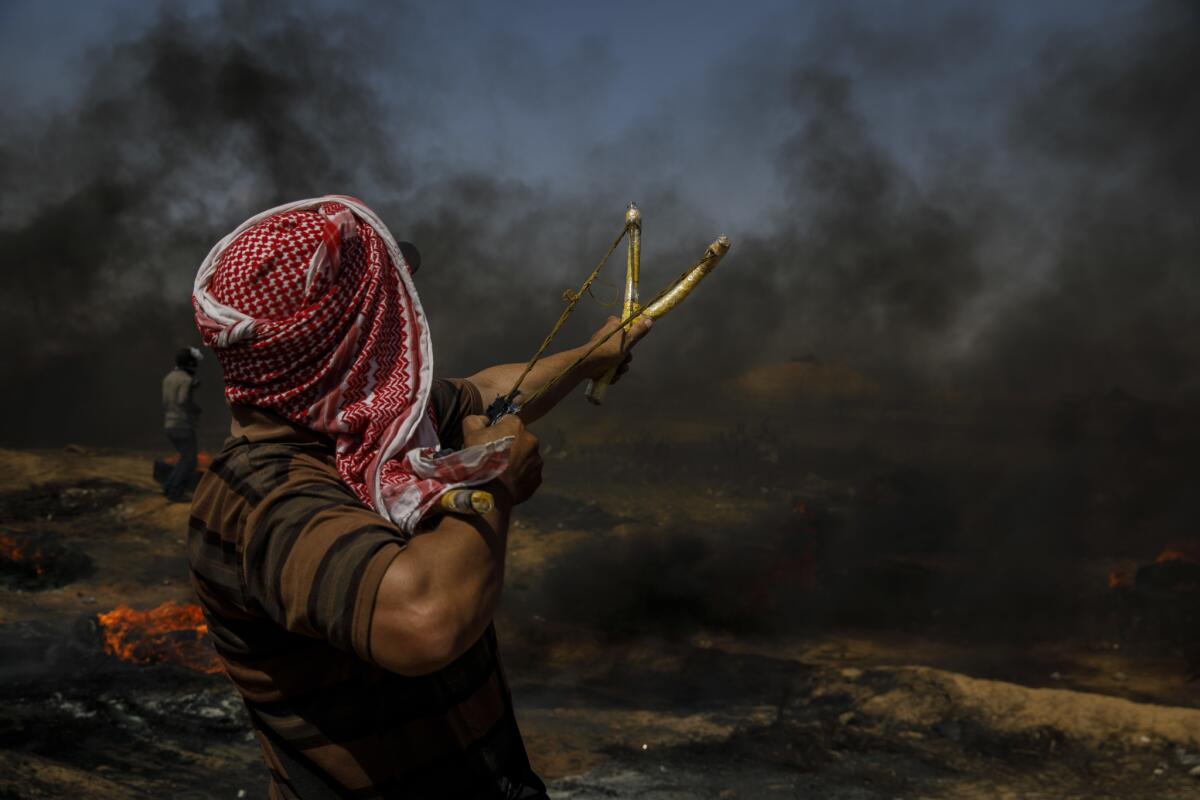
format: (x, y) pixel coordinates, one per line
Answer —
(287, 562)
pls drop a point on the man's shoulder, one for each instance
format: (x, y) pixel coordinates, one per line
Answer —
(178, 379)
(255, 470)
(249, 487)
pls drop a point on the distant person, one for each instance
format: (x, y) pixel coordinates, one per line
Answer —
(180, 411)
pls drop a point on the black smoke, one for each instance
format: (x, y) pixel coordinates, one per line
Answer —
(1003, 247)
(175, 135)
(1046, 247)
(1108, 129)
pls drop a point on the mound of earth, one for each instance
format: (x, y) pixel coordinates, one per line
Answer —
(780, 382)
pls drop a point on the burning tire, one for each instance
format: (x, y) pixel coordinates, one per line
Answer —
(168, 634)
(34, 562)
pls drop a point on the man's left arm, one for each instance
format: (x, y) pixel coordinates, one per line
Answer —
(616, 352)
(190, 402)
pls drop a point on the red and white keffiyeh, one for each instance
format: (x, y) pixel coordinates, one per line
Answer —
(313, 315)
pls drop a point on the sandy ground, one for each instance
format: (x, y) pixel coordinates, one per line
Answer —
(833, 713)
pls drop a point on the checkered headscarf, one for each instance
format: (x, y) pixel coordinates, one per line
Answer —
(313, 315)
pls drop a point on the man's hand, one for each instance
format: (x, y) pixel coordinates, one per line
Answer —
(524, 473)
(616, 352)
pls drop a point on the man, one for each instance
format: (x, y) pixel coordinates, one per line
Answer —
(354, 618)
(180, 410)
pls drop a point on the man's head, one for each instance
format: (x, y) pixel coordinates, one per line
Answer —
(411, 255)
(312, 311)
(188, 358)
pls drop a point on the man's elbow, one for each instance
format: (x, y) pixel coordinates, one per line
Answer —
(424, 639)
(488, 389)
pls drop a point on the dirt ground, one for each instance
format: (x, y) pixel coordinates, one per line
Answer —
(707, 711)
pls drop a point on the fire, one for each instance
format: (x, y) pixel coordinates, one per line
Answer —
(168, 634)
(24, 553)
(1171, 555)
(1120, 579)
(203, 460)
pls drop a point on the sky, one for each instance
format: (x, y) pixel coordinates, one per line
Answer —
(579, 77)
(974, 197)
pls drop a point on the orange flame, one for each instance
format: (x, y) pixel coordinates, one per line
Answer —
(23, 553)
(168, 634)
(203, 460)
(1171, 555)
(1120, 579)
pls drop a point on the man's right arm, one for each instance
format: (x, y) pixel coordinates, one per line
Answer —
(439, 595)
(321, 565)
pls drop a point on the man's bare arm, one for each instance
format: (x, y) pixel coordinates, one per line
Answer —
(498, 380)
(440, 593)
(438, 596)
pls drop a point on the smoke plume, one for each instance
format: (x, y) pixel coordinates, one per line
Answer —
(988, 238)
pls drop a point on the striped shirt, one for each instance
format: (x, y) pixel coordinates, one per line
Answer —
(286, 563)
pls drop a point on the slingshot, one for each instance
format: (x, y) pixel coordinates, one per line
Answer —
(480, 502)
